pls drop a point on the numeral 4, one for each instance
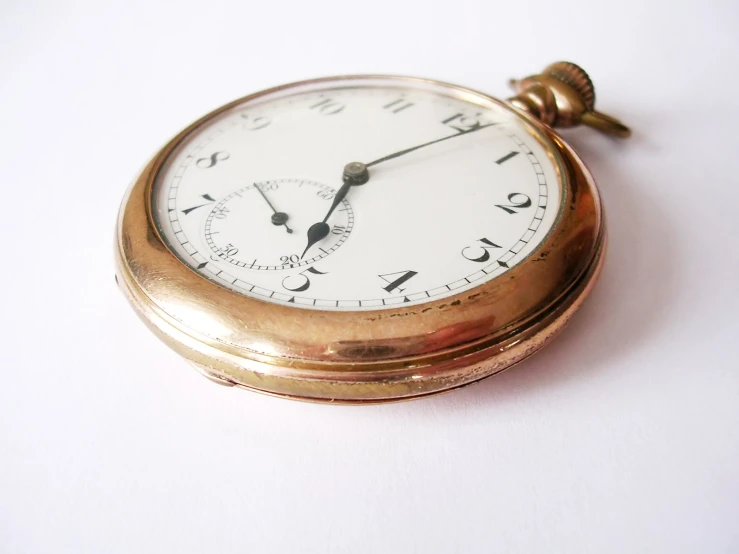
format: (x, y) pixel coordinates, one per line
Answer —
(394, 280)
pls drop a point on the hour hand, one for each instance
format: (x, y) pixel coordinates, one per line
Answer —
(355, 173)
(317, 231)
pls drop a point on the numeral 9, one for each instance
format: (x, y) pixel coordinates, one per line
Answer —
(254, 123)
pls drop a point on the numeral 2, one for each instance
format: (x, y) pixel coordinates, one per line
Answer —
(462, 122)
(515, 204)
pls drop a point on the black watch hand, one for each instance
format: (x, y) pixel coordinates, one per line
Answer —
(414, 148)
(278, 218)
(355, 173)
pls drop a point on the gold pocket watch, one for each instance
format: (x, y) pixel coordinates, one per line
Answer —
(367, 238)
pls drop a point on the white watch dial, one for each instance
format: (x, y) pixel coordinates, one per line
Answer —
(238, 198)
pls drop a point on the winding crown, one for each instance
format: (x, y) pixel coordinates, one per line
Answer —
(563, 95)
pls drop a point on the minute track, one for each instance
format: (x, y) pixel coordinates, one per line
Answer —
(497, 266)
(236, 270)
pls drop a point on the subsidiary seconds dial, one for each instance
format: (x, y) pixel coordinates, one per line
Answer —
(261, 226)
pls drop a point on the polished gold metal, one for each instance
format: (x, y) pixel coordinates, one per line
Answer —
(564, 96)
(367, 356)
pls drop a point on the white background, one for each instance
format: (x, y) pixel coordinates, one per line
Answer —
(621, 437)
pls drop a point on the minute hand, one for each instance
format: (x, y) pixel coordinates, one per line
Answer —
(419, 146)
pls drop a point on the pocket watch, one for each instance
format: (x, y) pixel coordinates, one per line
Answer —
(367, 238)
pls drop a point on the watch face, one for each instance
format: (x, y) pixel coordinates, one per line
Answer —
(253, 198)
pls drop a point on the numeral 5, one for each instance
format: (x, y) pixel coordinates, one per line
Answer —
(300, 282)
(485, 256)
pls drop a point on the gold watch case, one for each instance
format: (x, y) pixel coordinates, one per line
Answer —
(367, 356)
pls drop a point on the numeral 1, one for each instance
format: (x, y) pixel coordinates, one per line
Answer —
(398, 105)
(328, 107)
(461, 122)
(506, 157)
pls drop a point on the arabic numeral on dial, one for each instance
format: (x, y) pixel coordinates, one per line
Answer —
(227, 251)
(395, 280)
(221, 212)
(291, 259)
(518, 201)
(251, 123)
(338, 230)
(300, 282)
(265, 187)
(326, 194)
(213, 159)
(479, 251)
(506, 158)
(398, 105)
(207, 197)
(328, 106)
(462, 123)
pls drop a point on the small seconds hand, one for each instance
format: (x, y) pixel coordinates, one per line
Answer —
(278, 218)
